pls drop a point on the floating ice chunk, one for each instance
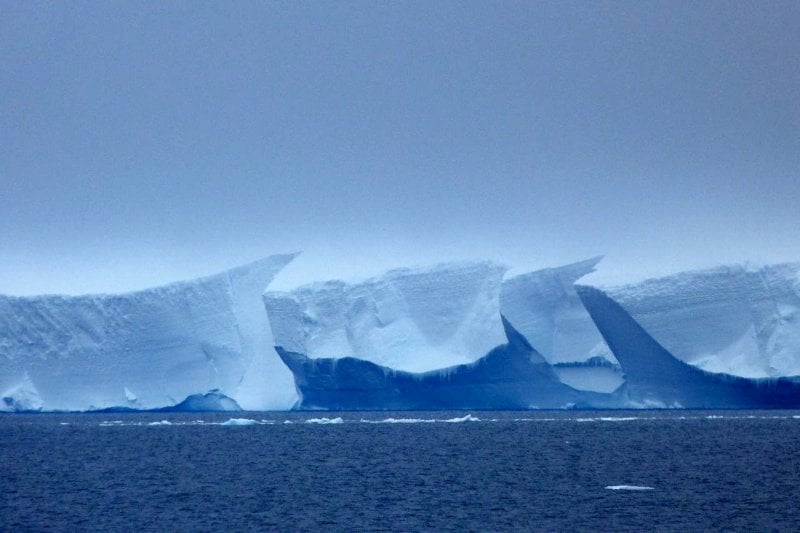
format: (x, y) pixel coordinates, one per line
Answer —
(131, 397)
(21, 397)
(628, 487)
(337, 420)
(160, 423)
(239, 422)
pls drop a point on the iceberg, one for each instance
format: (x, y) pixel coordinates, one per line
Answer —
(198, 403)
(655, 378)
(147, 349)
(732, 319)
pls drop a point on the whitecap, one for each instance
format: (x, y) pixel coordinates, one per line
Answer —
(467, 418)
(160, 423)
(628, 487)
(400, 421)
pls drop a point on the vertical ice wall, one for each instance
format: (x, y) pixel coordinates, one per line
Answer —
(733, 319)
(145, 349)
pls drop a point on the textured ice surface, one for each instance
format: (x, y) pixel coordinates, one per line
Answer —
(655, 378)
(544, 307)
(408, 319)
(733, 320)
(145, 349)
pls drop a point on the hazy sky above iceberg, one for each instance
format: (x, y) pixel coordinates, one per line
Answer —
(145, 143)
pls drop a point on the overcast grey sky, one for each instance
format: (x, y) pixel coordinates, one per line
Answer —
(146, 142)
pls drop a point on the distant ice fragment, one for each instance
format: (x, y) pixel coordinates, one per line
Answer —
(239, 422)
(21, 397)
(131, 397)
(337, 420)
(628, 487)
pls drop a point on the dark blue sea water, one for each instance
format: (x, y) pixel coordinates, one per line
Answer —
(506, 471)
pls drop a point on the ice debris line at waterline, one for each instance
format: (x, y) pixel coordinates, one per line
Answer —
(461, 335)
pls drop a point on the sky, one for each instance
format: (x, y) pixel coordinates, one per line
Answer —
(142, 143)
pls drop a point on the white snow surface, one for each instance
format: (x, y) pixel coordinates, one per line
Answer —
(408, 319)
(145, 349)
(735, 319)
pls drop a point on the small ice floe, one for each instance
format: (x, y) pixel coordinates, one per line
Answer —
(160, 423)
(337, 420)
(628, 487)
(239, 422)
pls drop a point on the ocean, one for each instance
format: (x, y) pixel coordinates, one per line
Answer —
(379, 471)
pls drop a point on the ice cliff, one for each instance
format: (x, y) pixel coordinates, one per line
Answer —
(148, 349)
(733, 319)
(655, 378)
(456, 335)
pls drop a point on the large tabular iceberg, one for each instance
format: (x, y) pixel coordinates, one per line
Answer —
(148, 349)
(457, 335)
